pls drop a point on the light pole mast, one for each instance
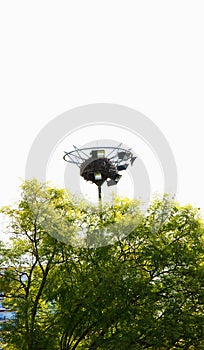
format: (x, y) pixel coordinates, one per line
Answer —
(100, 201)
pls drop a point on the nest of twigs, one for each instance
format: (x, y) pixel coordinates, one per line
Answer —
(101, 165)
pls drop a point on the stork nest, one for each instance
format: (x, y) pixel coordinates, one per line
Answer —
(100, 165)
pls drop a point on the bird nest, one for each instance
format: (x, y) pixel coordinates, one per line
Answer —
(90, 167)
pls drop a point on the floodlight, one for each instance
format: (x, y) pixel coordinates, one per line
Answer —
(124, 155)
(100, 153)
(114, 180)
(116, 177)
(111, 183)
(122, 166)
(97, 176)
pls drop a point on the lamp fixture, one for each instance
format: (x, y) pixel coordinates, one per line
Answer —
(124, 155)
(100, 153)
(97, 176)
(121, 167)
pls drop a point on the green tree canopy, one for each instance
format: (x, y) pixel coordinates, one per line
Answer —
(144, 291)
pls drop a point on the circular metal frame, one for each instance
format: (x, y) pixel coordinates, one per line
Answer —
(79, 155)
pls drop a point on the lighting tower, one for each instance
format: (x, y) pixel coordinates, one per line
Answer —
(100, 164)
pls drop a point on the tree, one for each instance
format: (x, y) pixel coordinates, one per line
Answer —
(41, 215)
(145, 291)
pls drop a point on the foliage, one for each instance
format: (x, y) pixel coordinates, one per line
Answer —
(145, 291)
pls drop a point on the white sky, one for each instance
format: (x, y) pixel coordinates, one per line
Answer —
(85, 135)
(147, 55)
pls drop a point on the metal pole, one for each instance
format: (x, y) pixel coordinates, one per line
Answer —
(99, 201)
(99, 193)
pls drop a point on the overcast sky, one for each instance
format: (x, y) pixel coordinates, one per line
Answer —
(57, 55)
